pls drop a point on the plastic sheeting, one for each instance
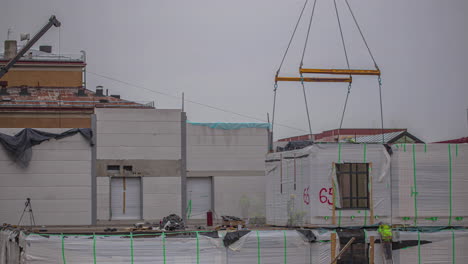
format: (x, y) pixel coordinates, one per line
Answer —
(19, 146)
(300, 186)
(9, 248)
(280, 246)
(416, 185)
(429, 184)
(446, 246)
(231, 126)
(266, 246)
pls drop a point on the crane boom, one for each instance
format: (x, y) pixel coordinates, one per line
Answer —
(52, 22)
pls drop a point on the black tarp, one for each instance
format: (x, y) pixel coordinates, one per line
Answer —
(19, 146)
(292, 145)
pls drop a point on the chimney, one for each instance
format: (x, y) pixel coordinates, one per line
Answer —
(24, 91)
(46, 48)
(3, 90)
(99, 90)
(10, 49)
(81, 92)
(116, 96)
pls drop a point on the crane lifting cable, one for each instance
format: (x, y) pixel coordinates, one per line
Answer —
(316, 71)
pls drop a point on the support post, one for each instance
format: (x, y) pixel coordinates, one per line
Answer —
(93, 170)
(333, 247)
(371, 200)
(371, 250)
(183, 164)
(333, 198)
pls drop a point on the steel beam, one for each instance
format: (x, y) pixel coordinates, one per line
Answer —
(340, 71)
(312, 79)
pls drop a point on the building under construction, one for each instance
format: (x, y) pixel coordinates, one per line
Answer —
(89, 177)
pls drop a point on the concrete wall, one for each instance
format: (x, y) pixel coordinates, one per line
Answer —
(152, 134)
(161, 197)
(241, 196)
(58, 181)
(235, 159)
(226, 150)
(149, 141)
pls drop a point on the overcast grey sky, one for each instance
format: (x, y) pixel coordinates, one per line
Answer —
(225, 54)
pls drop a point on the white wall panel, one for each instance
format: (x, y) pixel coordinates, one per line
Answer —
(103, 200)
(58, 181)
(139, 140)
(161, 197)
(137, 114)
(138, 127)
(138, 134)
(242, 196)
(217, 149)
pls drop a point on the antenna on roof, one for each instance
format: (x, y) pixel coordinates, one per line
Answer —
(8, 33)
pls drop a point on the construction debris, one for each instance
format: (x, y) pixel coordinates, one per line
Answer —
(231, 222)
(172, 222)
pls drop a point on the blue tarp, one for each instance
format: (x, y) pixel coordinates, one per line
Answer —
(231, 126)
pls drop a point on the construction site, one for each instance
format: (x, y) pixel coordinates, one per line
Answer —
(87, 176)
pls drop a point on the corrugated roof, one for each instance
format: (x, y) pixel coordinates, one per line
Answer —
(377, 138)
(458, 140)
(61, 98)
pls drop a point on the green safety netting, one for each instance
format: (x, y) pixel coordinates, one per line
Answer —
(231, 126)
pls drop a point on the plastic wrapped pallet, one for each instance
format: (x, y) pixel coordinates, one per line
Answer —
(281, 246)
(9, 249)
(268, 246)
(447, 246)
(196, 248)
(429, 184)
(300, 186)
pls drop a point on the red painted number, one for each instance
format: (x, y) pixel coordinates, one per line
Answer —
(324, 195)
(306, 196)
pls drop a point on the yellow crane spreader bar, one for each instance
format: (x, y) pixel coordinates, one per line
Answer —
(340, 71)
(312, 79)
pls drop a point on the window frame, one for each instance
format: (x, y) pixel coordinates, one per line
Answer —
(353, 174)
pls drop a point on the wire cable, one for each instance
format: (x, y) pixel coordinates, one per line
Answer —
(308, 32)
(307, 108)
(362, 35)
(274, 107)
(292, 36)
(190, 101)
(344, 110)
(302, 63)
(381, 109)
(341, 33)
(282, 61)
(347, 63)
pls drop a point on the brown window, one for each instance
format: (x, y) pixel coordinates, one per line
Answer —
(353, 179)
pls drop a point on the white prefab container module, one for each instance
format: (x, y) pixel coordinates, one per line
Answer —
(304, 189)
(365, 184)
